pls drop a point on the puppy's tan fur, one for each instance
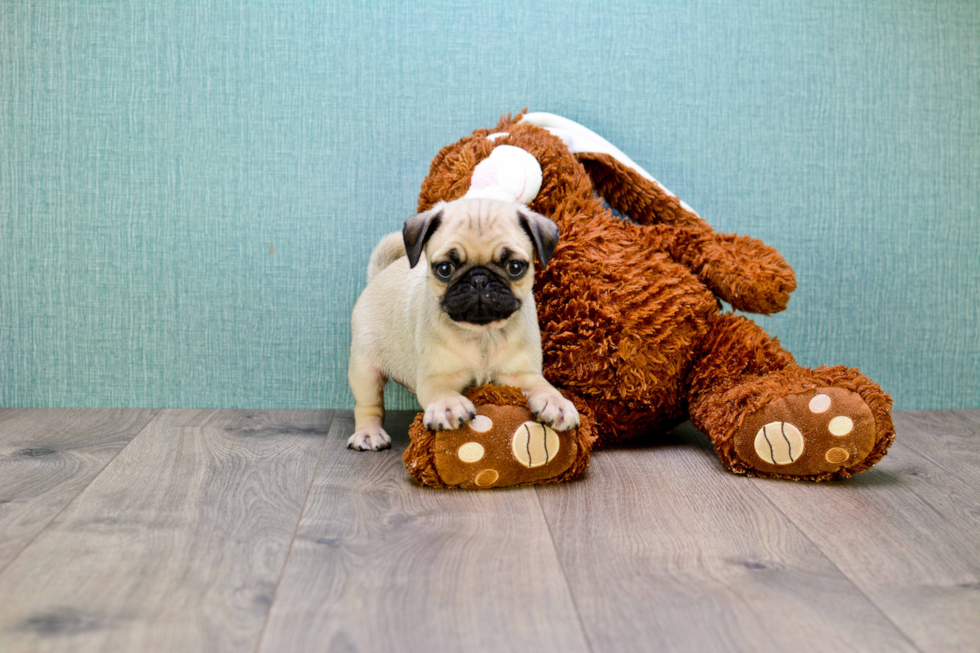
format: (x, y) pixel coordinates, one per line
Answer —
(399, 330)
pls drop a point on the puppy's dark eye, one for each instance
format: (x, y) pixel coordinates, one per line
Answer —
(444, 270)
(516, 268)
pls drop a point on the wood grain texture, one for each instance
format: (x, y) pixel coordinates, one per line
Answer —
(182, 542)
(665, 550)
(907, 533)
(382, 564)
(176, 546)
(948, 438)
(48, 456)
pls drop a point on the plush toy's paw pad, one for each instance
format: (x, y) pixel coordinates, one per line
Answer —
(534, 444)
(502, 446)
(374, 439)
(555, 411)
(813, 432)
(449, 414)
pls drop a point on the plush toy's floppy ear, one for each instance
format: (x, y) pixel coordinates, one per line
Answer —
(626, 186)
(417, 231)
(543, 233)
(578, 138)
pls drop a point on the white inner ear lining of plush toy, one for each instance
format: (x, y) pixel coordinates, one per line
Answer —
(580, 139)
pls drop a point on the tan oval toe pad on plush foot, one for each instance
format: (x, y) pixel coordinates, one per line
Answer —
(813, 432)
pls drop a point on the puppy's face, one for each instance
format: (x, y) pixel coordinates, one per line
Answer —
(480, 255)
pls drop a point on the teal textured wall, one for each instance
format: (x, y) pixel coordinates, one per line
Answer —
(189, 191)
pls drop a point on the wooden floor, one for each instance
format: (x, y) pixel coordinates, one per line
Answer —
(182, 530)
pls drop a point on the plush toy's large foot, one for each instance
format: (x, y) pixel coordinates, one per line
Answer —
(804, 424)
(768, 416)
(502, 446)
(817, 431)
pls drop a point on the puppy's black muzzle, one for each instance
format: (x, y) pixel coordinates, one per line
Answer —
(480, 296)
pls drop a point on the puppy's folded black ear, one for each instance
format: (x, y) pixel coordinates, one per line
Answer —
(417, 231)
(543, 233)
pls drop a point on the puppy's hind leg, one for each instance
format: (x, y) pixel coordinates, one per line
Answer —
(367, 383)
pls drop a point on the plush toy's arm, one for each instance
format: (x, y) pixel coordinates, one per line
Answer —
(743, 271)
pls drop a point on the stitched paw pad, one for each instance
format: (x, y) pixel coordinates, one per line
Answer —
(501, 446)
(813, 432)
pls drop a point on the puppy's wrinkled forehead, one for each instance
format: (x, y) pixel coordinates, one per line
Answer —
(477, 230)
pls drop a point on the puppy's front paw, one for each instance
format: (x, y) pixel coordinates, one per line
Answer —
(374, 439)
(554, 410)
(449, 413)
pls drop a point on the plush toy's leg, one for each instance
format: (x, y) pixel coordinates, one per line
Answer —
(768, 416)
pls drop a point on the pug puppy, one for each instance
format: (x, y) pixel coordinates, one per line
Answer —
(464, 317)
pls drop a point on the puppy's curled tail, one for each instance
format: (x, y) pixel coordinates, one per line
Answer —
(390, 249)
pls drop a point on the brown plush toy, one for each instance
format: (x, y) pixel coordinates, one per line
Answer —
(502, 446)
(631, 325)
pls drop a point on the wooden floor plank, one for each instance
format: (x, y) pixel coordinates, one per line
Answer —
(176, 546)
(948, 438)
(48, 456)
(179, 541)
(381, 564)
(664, 550)
(908, 534)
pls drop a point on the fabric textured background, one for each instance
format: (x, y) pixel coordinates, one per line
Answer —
(189, 191)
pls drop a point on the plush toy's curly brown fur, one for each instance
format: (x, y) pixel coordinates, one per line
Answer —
(632, 328)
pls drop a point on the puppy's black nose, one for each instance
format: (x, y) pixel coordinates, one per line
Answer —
(479, 281)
